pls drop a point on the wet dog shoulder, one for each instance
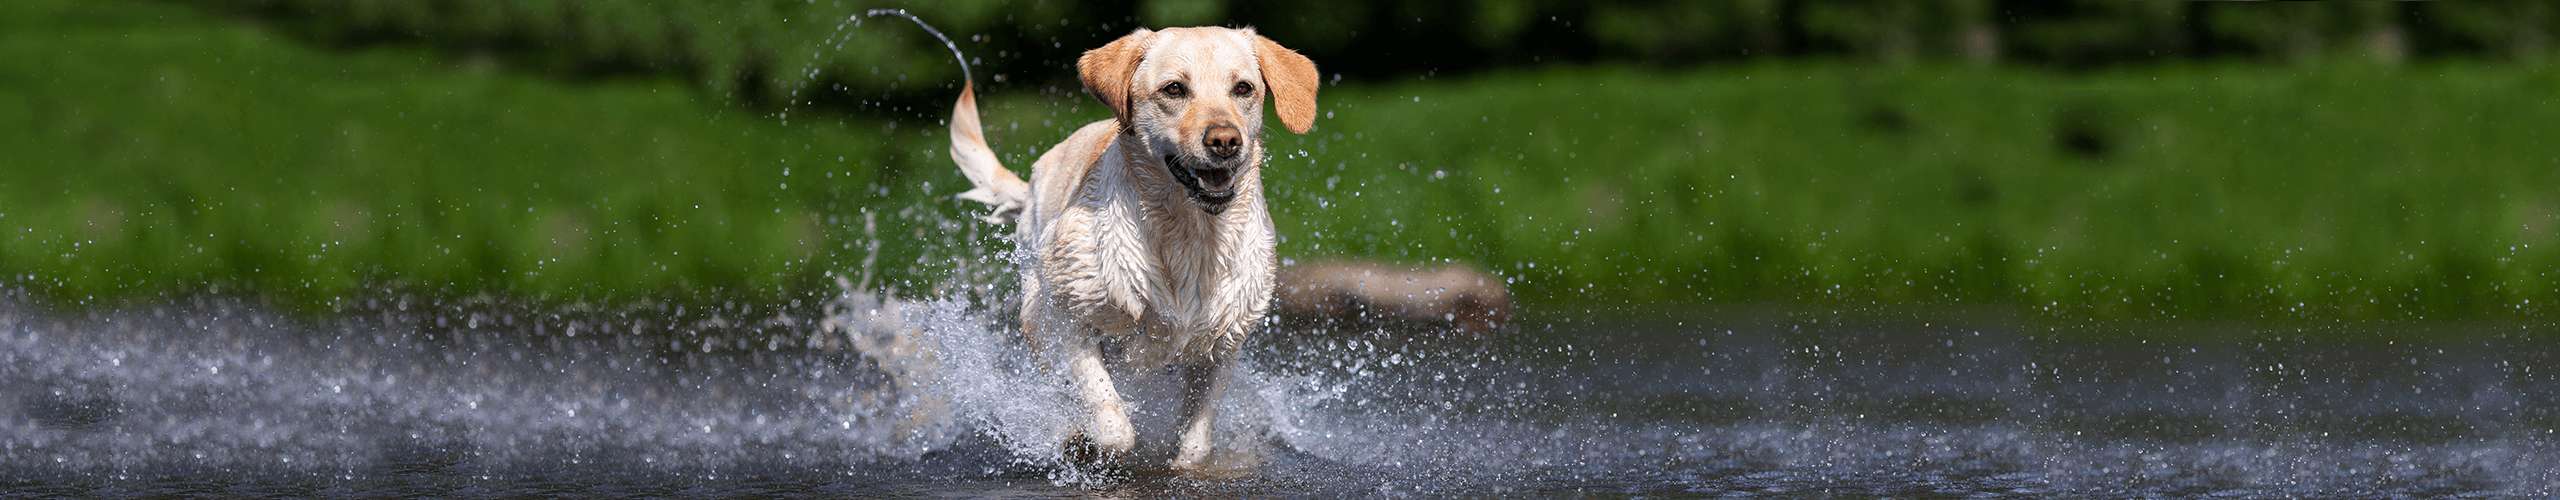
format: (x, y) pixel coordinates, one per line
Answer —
(1063, 171)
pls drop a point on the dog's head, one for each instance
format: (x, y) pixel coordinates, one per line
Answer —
(1193, 99)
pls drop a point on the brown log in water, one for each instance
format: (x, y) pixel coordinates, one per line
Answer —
(1454, 296)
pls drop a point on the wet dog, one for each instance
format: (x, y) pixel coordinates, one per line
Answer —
(1147, 232)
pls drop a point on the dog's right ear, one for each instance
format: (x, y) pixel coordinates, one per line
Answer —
(1106, 71)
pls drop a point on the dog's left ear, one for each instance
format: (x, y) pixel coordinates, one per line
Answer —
(1292, 81)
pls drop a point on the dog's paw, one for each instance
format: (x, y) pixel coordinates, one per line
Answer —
(1208, 467)
(1100, 457)
(1190, 465)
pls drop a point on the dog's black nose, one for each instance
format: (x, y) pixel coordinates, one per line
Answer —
(1223, 141)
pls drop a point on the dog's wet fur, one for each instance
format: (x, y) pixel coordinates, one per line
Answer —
(1147, 232)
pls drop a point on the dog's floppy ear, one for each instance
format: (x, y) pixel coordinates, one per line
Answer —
(1106, 71)
(1292, 80)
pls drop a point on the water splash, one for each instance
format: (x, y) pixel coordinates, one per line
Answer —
(928, 29)
(872, 395)
(842, 34)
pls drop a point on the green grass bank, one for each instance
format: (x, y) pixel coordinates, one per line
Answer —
(155, 148)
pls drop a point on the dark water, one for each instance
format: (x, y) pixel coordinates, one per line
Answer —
(934, 399)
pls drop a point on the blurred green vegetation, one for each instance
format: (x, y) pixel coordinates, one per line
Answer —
(799, 52)
(766, 52)
(156, 147)
(2347, 191)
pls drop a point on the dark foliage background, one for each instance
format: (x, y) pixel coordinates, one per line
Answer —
(763, 51)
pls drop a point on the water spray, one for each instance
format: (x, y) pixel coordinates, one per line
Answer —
(965, 78)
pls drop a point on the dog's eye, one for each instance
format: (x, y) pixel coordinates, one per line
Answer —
(1175, 90)
(1243, 89)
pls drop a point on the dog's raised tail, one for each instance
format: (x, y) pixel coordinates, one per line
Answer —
(1004, 193)
(997, 187)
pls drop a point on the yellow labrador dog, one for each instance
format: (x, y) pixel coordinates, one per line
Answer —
(1147, 232)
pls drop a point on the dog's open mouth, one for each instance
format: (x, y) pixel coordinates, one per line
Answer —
(1198, 181)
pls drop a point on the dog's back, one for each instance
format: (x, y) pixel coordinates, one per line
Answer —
(1058, 173)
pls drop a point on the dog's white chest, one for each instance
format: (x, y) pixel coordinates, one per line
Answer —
(1167, 283)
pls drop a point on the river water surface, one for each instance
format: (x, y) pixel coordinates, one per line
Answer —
(934, 398)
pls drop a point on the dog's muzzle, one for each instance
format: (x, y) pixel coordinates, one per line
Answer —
(1210, 188)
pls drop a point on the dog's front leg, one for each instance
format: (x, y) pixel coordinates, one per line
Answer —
(1203, 384)
(1107, 435)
